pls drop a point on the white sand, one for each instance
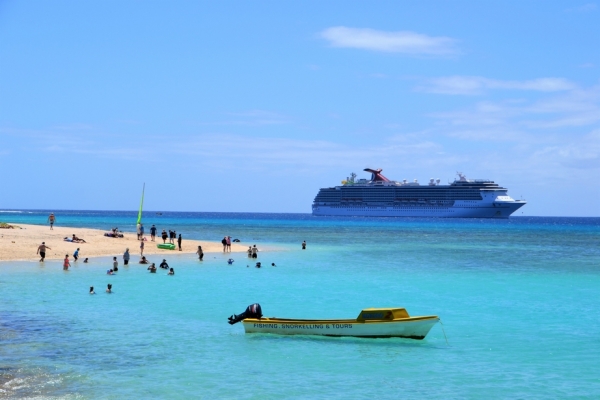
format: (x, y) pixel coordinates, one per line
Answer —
(22, 244)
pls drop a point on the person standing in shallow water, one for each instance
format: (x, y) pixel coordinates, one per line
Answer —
(66, 263)
(304, 245)
(126, 256)
(76, 254)
(200, 253)
(51, 219)
(179, 242)
(115, 264)
(141, 247)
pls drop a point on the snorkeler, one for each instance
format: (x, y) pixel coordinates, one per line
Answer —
(252, 311)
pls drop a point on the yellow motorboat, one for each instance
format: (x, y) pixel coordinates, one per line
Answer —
(370, 323)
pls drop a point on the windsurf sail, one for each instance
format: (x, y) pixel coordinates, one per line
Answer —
(139, 220)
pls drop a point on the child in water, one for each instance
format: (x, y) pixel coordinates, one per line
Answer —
(109, 288)
(92, 290)
(171, 272)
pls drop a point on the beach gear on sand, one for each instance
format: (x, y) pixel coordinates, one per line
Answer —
(166, 246)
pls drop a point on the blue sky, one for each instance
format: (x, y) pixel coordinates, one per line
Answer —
(254, 106)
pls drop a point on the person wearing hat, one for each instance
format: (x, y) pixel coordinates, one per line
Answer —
(42, 250)
(164, 264)
(126, 256)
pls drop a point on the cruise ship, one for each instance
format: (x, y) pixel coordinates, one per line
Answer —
(381, 197)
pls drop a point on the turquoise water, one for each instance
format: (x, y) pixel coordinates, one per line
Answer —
(519, 300)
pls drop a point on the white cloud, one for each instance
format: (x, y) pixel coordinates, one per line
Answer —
(391, 42)
(476, 85)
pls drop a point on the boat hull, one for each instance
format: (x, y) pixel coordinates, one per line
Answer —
(411, 328)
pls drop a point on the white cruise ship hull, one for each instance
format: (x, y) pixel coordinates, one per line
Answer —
(469, 211)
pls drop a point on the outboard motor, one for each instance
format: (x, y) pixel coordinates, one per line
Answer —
(252, 311)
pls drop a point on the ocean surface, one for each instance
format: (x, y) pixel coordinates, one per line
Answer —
(519, 300)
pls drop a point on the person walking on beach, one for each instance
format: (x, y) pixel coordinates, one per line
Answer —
(170, 236)
(42, 251)
(164, 236)
(66, 263)
(115, 267)
(76, 255)
(137, 229)
(141, 231)
(304, 245)
(51, 219)
(126, 256)
(152, 233)
(179, 242)
(224, 243)
(200, 253)
(229, 244)
(141, 247)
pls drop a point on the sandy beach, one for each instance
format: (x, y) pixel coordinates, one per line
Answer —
(22, 244)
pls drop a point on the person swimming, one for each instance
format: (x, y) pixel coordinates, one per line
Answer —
(109, 288)
(273, 265)
(171, 272)
(110, 272)
(164, 264)
(143, 260)
(230, 261)
(85, 261)
(152, 268)
(92, 290)
(258, 265)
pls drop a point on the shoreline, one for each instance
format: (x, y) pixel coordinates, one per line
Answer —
(22, 244)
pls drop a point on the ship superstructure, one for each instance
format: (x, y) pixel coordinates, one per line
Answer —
(381, 197)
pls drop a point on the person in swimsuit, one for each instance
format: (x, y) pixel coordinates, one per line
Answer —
(229, 244)
(115, 264)
(200, 253)
(126, 256)
(304, 245)
(92, 290)
(85, 261)
(143, 260)
(224, 243)
(109, 288)
(179, 242)
(164, 236)
(171, 272)
(76, 254)
(152, 268)
(51, 219)
(254, 252)
(141, 247)
(152, 233)
(66, 263)
(164, 264)
(42, 250)
(249, 251)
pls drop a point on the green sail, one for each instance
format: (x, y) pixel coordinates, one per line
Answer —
(139, 220)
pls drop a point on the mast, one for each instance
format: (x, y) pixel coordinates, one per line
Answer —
(139, 219)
